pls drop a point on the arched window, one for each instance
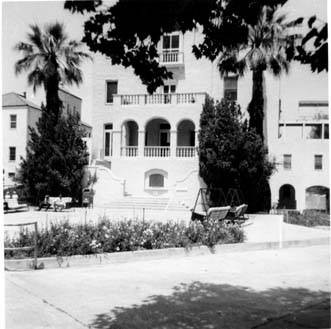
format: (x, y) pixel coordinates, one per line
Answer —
(156, 180)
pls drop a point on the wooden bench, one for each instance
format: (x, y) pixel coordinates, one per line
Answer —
(11, 204)
(214, 213)
(66, 201)
(237, 215)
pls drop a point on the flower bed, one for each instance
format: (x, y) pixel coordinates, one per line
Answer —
(308, 218)
(67, 239)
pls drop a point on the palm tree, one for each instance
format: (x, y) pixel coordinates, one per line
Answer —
(50, 58)
(270, 42)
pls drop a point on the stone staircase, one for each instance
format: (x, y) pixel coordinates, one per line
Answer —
(148, 203)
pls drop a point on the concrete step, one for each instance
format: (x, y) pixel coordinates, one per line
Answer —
(145, 202)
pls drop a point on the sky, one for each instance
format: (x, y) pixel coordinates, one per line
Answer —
(16, 18)
(18, 15)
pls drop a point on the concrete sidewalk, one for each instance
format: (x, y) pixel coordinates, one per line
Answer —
(248, 289)
(271, 228)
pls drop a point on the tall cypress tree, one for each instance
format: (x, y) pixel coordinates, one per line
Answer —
(232, 155)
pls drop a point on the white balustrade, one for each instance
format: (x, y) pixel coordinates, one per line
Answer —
(186, 151)
(129, 151)
(172, 57)
(157, 151)
(171, 98)
(129, 99)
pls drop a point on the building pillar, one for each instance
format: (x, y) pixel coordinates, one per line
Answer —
(196, 139)
(173, 143)
(117, 143)
(300, 195)
(141, 142)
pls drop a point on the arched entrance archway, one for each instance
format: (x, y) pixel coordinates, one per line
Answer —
(129, 138)
(157, 138)
(318, 198)
(286, 198)
(185, 139)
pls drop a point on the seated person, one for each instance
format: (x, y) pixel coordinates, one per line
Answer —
(59, 204)
(45, 204)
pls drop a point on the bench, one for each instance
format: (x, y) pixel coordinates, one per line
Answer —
(237, 214)
(52, 203)
(213, 213)
(11, 204)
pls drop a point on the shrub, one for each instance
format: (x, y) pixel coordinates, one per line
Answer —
(308, 218)
(67, 239)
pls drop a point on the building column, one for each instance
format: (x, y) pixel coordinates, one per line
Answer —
(117, 143)
(196, 140)
(141, 142)
(173, 143)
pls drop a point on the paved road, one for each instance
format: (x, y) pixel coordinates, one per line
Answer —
(287, 288)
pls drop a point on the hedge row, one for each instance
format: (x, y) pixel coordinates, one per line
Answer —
(308, 218)
(68, 239)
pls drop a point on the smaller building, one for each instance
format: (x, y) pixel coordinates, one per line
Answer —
(70, 102)
(18, 113)
(302, 157)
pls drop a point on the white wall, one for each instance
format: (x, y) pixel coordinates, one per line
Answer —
(14, 137)
(203, 76)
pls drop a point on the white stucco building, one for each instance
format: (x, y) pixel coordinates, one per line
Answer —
(147, 144)
(19, 113)
(302, 156)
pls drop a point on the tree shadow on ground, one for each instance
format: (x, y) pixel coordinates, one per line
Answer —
(211, 306)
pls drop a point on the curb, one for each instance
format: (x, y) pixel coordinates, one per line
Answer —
(156, 254)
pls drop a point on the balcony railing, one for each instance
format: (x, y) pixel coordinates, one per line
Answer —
(157, 151)
(172, 57)
(144, 99)
(186, 151)
(129, 151)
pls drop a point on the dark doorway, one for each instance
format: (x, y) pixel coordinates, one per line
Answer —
(287, 197)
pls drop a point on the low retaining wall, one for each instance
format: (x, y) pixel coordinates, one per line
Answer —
(143, 255)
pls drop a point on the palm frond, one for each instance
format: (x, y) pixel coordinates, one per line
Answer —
(36, 78)
(49, 54)
(35, 36)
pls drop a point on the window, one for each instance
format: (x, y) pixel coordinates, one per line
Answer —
(318, 163)
(231, 88)
(156, 180)
(171, 42)
(168, 89)
(12, 153)
(111, 91)
(293, 131)
(108, 139)
(11, 175)
(313, 131)
(326, 131)
(13, 121)
(287, 161)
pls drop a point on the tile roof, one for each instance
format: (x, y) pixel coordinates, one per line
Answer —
(14, 99)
